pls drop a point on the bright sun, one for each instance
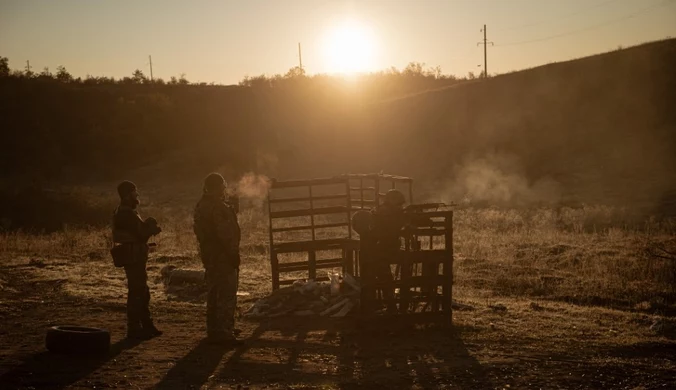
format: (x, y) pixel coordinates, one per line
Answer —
(349, 48)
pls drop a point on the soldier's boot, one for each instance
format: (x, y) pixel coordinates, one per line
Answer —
(224, 338)
(150, 329)
(136, 332)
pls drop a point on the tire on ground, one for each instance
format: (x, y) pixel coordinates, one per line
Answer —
(77, 339)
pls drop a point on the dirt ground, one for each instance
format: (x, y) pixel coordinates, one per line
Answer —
(493, 344)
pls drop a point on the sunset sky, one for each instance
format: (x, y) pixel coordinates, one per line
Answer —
(222, 41)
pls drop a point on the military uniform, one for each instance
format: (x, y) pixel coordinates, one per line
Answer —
(218, 234)
(380, 245)
(130, 231)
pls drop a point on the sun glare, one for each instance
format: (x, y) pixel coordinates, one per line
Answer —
(349, 48)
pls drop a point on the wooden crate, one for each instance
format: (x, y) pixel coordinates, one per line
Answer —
(310, 217)
(422, 269)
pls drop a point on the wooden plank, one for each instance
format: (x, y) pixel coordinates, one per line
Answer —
(285, 282)
(317, 245)
(308, 227)
(307, 198)
(274, 265)
(414, 281)
(376, 176)
(312, 265)
(306, 267)
(426, 232)
(365, 201)
(304, 183)
(305, 262)
(307, 212)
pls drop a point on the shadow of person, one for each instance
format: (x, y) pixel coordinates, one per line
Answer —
(57, 371)
(406, 355)
(195, 368)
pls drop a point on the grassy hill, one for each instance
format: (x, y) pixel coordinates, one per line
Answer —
(597, 130)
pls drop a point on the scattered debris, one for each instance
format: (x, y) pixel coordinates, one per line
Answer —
(187, 284)
(310, 298)
(664, 327)
(183, 276)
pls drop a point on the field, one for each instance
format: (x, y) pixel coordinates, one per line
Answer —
(545, 298)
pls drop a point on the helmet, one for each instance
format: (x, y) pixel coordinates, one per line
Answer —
(362, 221)
(125, 189)
(395, 198)
(214, 183)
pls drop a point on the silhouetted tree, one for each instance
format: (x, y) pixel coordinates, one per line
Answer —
(4, 66)
(63, 75)
(45, 74)
(138, 77)
(296, 71)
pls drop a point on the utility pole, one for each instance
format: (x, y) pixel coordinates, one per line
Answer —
(150, 59)
(28, 66)
(485, 43)
(300, 59)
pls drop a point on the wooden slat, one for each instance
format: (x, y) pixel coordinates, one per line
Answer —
(427, 232)
(413, 281)
(317, 245)
(306, 212)
(426, 256)
(378, 176)
(307, 198)
(307, 227)
(290, 281)
(322, 261)
(365, 201)
(305, 266)
(310, 182)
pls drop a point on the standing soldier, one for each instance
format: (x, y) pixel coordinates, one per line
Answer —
(218, 234)
(379, 234)
(130, 238)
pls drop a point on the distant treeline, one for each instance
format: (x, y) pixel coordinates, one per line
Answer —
(54, 123)
(600, 129)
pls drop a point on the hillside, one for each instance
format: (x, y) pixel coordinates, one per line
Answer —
(595, 130)
(600, 129)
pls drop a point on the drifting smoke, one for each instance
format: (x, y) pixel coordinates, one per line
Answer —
(253, 188)
(500, 180)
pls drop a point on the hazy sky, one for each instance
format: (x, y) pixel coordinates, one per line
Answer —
(222, 41)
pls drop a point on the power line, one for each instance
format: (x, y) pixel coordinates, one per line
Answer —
(558, 18)
(629, 16)
(485, 43)
(300, 59)
(150, 59)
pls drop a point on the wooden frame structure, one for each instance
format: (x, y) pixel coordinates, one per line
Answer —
(423, 276)
(325, 206)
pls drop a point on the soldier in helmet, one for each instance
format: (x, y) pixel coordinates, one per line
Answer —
(380, 242)
(130, 237)
(218, 234)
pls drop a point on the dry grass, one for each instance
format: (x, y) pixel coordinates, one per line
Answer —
(516, 271)
(594, 255)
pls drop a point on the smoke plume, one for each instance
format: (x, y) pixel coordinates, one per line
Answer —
(500, 180)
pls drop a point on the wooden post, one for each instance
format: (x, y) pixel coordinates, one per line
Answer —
(274, 261)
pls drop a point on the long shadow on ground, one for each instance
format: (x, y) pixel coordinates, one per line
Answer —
(47, 370)
(195, 368)
(350, 355)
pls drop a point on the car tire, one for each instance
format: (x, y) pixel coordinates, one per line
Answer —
(77, 340)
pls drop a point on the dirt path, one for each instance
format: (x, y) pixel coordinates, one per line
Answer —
(550, 345)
